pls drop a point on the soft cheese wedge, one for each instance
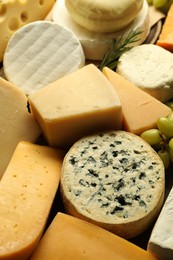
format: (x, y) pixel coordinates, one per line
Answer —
(27, 190)
(16, 13)
(16, 123)
(94, 44)
(75, 105)
(115, 180)
(161, 239)
(140, 110)
(40, 53)
(71, 238)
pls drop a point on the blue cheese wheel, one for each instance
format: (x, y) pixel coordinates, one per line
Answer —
(115, 180)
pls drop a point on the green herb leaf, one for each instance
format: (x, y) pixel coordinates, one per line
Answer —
(118, 47)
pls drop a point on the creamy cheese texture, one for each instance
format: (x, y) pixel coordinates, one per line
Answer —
(27, 191)
(16, 123)
(95, 44)
(16, 13)
(103, 16)
(161, 239)
(149, 67)
(115, 180)
(40, 53)
(75, 105)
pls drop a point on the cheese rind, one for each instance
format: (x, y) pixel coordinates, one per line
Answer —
(86, 241)
(40, 53)
(27, 190)
(161, 239)
(94, 44)
(149, 67)
(16, 13)
(76, 105)
(16, 123)
(140, 110)
(115, 180)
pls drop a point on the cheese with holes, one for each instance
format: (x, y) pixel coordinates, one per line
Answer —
(140, 110)
(16, 13)
(78, 104)
(71, 238)
(115, 180)
(16, 123)
(27, 190)
(161, 239)
(149, 67)
(96, 44)
(40, 53)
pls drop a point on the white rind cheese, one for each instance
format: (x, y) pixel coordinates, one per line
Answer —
(94, 44)
(149, 67)
(161, 240)
(103, 16)
(40, 53)
(115, 180)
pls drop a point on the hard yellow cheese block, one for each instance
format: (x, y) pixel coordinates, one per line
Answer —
(16, 123)
(71, 238)
(16, 13)
(140, 110)
(78, 104)
(27, 190)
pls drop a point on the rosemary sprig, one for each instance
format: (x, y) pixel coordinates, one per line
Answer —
(119, 45)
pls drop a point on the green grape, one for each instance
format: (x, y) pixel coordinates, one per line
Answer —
(165, 125)
(159, 3)
(164, 155)
(152, 136)
(171, 143)
(150, 2)
(165, 8)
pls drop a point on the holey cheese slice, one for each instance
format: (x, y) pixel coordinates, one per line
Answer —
(96, 44)
(149, 67)
(115, 180)
(78, 104)
(40, 53)
(16, 13)
(71, 238)
(16, 123)
(27, 190)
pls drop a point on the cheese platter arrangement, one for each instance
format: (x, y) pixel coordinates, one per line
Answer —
(86, 129)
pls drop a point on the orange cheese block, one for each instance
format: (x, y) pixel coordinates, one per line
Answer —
(140, 110)
(71, 238)
(27, 190)
(166, 36)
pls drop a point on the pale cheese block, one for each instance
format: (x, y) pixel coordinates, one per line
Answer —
(96, 44)
(16, 123)
(40, 53)
(103, 16)
(27, 191)
(71, 238)
(115, 180)
(149, 67)
(16, 13)
(76, 105)
(161, 239)
(140, 110)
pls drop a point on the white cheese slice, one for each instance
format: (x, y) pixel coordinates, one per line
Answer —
(161, 239)
(115, 180)
(96, 44)
(40, 53)
(149, 67)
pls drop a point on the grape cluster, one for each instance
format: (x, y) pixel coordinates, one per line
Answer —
(161, 139)
(163, 5)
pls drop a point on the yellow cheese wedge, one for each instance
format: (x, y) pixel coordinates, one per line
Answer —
(27, 190)
(78, 104)
(16, 13)
(16, 123)
(140, 110)
(71, 238)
